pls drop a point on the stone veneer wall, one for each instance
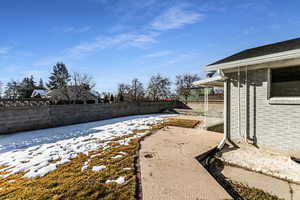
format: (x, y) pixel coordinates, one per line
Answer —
(38, 117)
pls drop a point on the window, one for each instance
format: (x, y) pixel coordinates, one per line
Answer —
(285, 82)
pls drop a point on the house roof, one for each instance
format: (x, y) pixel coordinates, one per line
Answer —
(217, 81)
(39, 92)
(71, 93)
(278, 47)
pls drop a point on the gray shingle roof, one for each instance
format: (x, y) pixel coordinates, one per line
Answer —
(262, 51)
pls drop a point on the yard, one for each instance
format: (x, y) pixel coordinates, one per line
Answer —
(99, 161)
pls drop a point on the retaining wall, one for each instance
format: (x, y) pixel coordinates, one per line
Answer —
(31, 118)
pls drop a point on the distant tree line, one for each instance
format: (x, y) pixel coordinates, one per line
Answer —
(158, 87)
(59, 79)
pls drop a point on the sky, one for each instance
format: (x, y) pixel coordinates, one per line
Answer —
(115, 41)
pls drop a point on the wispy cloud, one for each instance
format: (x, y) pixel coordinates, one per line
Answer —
(176, 17)
(118, 41)
(71, 29)
(159, 54)
(4, 50)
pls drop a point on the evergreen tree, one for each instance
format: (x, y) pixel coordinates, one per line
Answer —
(26, 87)
(60, 77)
(106, 99)
(112, 99)
(41, 85)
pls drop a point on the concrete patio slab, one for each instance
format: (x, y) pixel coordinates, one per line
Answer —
(169, 170)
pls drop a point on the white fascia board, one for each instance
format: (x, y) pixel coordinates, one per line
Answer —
(256, 60)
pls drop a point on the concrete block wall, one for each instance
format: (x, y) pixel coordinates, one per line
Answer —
(268, 125)
(31, 118)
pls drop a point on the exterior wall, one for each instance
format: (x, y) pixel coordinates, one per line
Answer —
(31, 118)
(268, 125)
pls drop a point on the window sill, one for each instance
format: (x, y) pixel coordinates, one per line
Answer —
(284, 100)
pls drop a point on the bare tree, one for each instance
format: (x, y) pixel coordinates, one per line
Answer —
(123, 88)
(123, 91)
(12, 90)
(82, 84)
(159, 87)
(184, 84)
(137, 89)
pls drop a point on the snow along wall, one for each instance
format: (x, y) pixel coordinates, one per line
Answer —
(38, 117)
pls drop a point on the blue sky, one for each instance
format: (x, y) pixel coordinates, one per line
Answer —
(118, 40)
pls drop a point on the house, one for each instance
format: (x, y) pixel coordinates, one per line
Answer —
(72, 94)
(40, 93)
(261, 95)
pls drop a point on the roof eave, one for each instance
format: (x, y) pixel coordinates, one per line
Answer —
(255, 60)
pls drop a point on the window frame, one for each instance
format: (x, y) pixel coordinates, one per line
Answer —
(291, 100)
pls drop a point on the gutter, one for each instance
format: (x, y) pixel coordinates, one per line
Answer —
(292, 54)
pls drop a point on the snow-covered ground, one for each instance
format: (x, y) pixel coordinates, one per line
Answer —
(34, 152)
(267, 162)
(32, 138)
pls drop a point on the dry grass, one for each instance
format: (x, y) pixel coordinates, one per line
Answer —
(68, 181)
(185, 123)
(249, 193)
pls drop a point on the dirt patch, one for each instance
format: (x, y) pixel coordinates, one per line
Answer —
(185, 123)
(219, 128)
(250, 193)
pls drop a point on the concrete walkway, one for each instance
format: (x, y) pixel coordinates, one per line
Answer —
(169, 170)
(280, 188)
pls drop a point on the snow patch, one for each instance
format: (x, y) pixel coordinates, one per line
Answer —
(120, 180)
(37, 161)
(93, 156)
(98, 168)
(270, 163)
(117, 157)
(85, 165)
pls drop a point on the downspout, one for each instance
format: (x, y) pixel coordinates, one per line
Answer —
(222, 143)
(246, 100)
(239, 104)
